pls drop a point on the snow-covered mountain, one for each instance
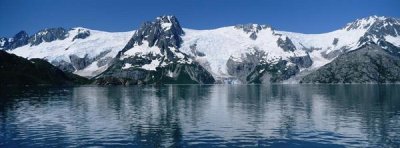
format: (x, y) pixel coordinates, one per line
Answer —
(248, 53)
(213, 48)
(330, 45)
(152, 55)
(82, 51)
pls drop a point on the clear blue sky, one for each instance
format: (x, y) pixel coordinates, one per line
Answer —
(307, 16)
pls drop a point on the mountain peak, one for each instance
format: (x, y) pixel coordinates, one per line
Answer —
(168, 22)
(48, 35)
(164, 32)
(21, 35)
(18, 40)
(368, 22)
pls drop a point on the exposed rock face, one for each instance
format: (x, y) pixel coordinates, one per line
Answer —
(335, 41)
(251, 29)
(195, 52)
(3, 43)
(18, 71)
(389, 47)
(335, 53)
(272, 72)
(64, 66)
(48, 35)
(368, 64)
(82, 34)
(79, 63)
(377, 28)
(302, 61)
(382, 26)
(170, 74)
(253, 67)
(152, 57)
(20, 39)
(286, 45)
(164, 32)
(242, 67)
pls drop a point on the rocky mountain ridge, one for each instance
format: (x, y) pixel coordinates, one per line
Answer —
(161, 51)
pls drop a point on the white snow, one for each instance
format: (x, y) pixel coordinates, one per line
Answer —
(325, 40)
(91, 70)
(365, 23)
(166, 26)
(2, 41)
(323, 43)
(92, 46)
(127, 66)
(394, 40)
(152, 66)
(220, 44)
(170, 74)
(142, 50)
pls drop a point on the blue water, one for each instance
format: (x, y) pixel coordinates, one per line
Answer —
(201, 116)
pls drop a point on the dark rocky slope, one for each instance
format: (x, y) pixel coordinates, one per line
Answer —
(18, 71)
(371, 63)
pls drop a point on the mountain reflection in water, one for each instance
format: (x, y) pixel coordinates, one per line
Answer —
(202, 116)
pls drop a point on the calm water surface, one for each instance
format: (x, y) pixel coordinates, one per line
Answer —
(201, 116)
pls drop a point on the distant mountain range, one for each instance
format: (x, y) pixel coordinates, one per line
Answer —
(162, 52)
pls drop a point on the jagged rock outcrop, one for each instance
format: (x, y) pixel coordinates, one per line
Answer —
(377, 26)
(48, 35)
(302, 61)
(20, 39)
(82, 34)
(251, 29)
(286, 44)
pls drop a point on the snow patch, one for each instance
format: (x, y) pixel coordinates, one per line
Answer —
(394, 40)
(143, 49)
(152, 66)
(127, 66)
(166, 26)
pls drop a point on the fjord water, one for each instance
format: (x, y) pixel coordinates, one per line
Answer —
(201, 116)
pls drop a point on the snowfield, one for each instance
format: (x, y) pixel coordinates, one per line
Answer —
(60, 50)
(220, 44)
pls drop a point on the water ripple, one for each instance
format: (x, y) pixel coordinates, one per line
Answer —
(202, 116)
